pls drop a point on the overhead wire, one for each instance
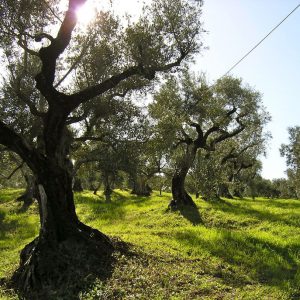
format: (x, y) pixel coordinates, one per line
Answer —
(264, 38)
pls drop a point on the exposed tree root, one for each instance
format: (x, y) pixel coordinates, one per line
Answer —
(183, 199)
(60, 270)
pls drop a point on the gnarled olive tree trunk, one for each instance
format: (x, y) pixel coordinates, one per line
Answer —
(31, 193)
(180, 196)
(224, 191)
(108, 183)
(141, 187)
(63, 240)
(61, 232)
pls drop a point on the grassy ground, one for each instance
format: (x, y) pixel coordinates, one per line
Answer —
(233, 249)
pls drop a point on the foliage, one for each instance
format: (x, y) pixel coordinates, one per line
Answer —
(11, 170)
(291, 152)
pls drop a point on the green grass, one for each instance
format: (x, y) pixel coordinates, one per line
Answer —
(232, 249)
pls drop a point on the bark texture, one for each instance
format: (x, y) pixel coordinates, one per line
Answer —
(180, 196)
(224, 191)
(141, 187)
(46, 260)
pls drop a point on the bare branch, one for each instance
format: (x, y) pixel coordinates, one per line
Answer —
(230, 155)
(210, 131)
(50, 54)
(52, 11)
(231, 112)
(110, 83)
(38, 37)
(15, 170)
(72, 120)
(198, 129)
(76, 62)
(96, 90)
(30, 51)
(31, 106)
(226, 135)
(18, 144)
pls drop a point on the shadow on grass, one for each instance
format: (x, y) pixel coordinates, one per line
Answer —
(118, 196)
(287, 218)
(9, 194)
(6, 226)
(74, 272)
(25, 206)
(110, 211)
(277, 203)
(284, 204)
(265, 261)
(191, 214)
(2, 216)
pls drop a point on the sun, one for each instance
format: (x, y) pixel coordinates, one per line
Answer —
(86, 13)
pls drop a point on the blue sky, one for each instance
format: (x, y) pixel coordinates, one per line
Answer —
(234, 27)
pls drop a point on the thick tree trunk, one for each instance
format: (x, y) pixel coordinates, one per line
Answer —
(95, 188)
(107, 192)
(180, 196)
(31, 193)
(45, 260)
(224, 191)
(108, 183)
(77, 185)
(237, 193)
(141, 188)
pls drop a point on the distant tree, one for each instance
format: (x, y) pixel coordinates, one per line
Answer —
(285, 188)
(160, 182)
(40, 48)
(261, 187)
(110, 142)
(241, 159)
(215, 175)
(11, 174)
(193, 116)
(291, 152)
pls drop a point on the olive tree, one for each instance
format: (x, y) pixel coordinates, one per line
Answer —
(41, 46)
(291, 152)
(192, 115)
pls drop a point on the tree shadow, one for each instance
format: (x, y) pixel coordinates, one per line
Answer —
(75, 274)
(2, 216)
(284, 204)
(191, 214)
(275, 202)
(6, 226)
(265, 261)
(25, 206)
(118, 196)
(110, 211)
(262, 215)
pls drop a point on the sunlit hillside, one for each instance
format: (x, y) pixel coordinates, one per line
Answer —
(232, 249)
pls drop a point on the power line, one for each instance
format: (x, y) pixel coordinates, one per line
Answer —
(237, 63)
